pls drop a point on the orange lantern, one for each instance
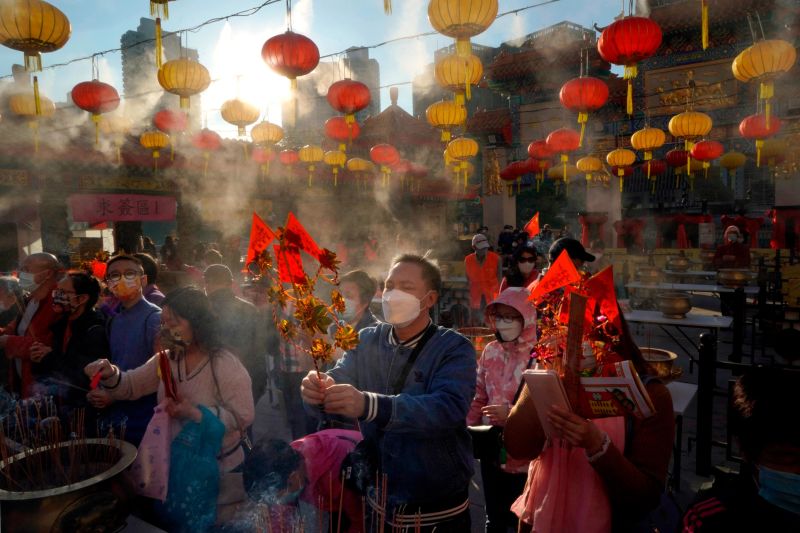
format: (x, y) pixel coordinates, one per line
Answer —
(239, 113)
(336, 160)
(621, 159)
(458, 74)
(311, 154)
(185, 78)
(155, 141)
(32, 107)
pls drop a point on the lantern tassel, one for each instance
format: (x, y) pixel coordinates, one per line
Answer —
(467, 88)
(159, 45)
(629, 100)
(704, 11)
(766, 92)
(37, 101)
(310, 174)
(387, 7)
(335, 177)
(653, 188)
(96, 119)
(33, 61)
(156, 155)
(631, 71)
(445, 136)
(759, 145)
(583, 118)
(648, 169)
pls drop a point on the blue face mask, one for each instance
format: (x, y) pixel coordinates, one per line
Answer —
(781, 489)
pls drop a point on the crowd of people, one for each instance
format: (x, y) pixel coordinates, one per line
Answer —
(386, 437)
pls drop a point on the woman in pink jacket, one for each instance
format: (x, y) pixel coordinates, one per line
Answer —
(513, 317)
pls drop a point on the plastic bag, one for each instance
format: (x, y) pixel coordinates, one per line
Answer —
(194, 474)
(150, 470)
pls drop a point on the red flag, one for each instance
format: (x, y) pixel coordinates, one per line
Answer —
(260, 237)
(562, 272)
(290, 264)
(600, 289)
(296, 235)
(532, 227)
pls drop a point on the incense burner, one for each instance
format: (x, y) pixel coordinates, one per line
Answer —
(733, 277)
(661, 363)
(648, 274)
(678, 263)
(675, 304)
(99, 502)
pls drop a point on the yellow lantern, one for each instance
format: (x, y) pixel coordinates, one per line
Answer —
(563, 173)
(462, 149)
(266, 133)
(732, 160)
(361, 169)
(589, 165)
(462, 19)
(336, 160)
(311, 154)
(690, 126)
(458, 74)
(445, 116)
(32, 106)
(184, 77)
(764, 62)
(773, 150)
(621, 158)
(154, 141)
(646, 140)
(33, 27)
(240, 114)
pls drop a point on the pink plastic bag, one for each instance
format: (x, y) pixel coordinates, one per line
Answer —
(150, 470)
(563, 492)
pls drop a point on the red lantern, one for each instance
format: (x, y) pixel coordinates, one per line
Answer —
(97, 98)
(288, 157)
(626, 42)
(755, 127)
(539, 150)
(622, 172)
(291, 55)
(208, 141)
(677, 158)
(339, 130)
(706, 151)
(384, 155)
(563, 141)
(583, 95)
(654, 168)
(263, 156)
(348, 97)
(170, 121)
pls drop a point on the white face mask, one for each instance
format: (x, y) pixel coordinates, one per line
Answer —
(733, 237)
(350, 309)
(27, 281)
(508, 328)
(400, 308)
(525, 268)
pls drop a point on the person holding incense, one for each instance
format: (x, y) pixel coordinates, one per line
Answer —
(410, 384)
(202, 379)
(79, 337)
(593, 475)
(513, 318)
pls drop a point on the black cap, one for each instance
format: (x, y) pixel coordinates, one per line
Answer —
(574, 249)
(218, 274)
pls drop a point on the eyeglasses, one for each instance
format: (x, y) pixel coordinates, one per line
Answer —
(526, 260)
(129, 275)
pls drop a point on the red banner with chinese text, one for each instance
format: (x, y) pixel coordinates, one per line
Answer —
(121, 207)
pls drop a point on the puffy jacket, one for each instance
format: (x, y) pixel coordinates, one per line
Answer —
(421, 433)
(501, 367)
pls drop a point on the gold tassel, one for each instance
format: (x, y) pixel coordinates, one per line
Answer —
(759, 145)
(648, 166)
(467, 89)
(621, 182)
(705, 23)
(96, 119)
(463, 47)
(37, 102)
(159, 8)
(629, 101)
(33, 61)
(460, 99)
(583, 118)
(159, 45)
(335, 177)
(766, 92)
(387, 7)
(653, 189)
(185, 102)
(156, 155)
(310, 174)
(445, 136)
(629, 74)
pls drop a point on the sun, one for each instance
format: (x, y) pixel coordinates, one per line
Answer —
(239, 71)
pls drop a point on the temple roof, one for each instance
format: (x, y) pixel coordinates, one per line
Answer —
(395, 126)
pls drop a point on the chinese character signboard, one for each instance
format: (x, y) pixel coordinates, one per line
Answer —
(121, 207)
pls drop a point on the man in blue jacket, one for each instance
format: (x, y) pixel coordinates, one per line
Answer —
(410, 384)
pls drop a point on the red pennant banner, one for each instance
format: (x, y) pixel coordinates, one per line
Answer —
(290, 264)
(296, 235)
(561, 273)
(260, 238)
(532, 227)
(600, 288)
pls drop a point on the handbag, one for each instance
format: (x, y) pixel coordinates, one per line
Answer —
(360, 467)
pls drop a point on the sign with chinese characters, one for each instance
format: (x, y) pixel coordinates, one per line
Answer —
(121, 207)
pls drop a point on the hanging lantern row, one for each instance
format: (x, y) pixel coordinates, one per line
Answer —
(764, 62)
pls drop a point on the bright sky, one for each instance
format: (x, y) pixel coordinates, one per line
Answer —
(230, 49)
